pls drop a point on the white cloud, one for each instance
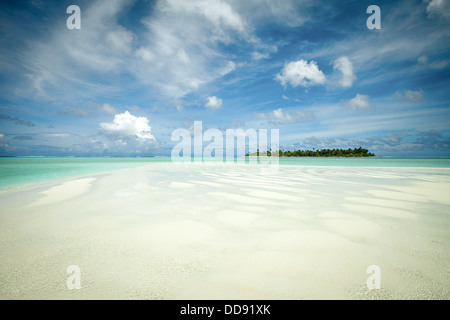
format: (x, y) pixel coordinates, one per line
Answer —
(100, 46)
(345, 66)
(57, 135)
(177, 50)
(146, 54)
(438, 7)
(120, 40)
(413, 96)
(285, 97)
(360, 102)
(107, 108)
(423, 59)
(217, 11)
(125, 127)
(435, 64)
(213, 103)
(439, 65)
(259, 55)
(301, 73)
(369, 53)
(1, 136)
(280, 115)
(180, 51)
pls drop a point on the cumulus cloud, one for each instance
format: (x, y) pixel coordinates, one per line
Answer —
(127, 127)
(360, 102)
(107, 108)
(301, 73)
(438, 8)
(345, 66)
(213, 103)
(413, 96)
(280, 115)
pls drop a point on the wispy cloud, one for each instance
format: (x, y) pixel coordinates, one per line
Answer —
(283, 116)
(391, 143)
(438, 8)
(107, 108)
(272, 64)
(18, 121)
(23, 138)
(57, 135)
(439, 64)
(409, 37)
(410, 95)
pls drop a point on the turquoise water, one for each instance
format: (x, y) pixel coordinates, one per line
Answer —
(18, 172)
(419, 162)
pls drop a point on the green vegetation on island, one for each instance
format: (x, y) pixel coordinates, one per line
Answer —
(356, 152)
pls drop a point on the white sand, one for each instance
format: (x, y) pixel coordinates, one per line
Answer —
(179, 231)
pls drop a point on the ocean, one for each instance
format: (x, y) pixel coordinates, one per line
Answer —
(16, 172)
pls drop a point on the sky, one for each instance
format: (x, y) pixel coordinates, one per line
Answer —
(136, 71)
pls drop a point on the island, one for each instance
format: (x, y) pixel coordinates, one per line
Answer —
(356, 152)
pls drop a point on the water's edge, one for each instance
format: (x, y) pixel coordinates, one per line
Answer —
(16, 172)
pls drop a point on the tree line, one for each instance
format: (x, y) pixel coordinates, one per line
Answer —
(356, 152)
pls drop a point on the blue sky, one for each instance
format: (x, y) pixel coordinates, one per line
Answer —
(138, 70)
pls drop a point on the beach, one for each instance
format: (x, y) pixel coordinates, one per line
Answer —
(229, 231)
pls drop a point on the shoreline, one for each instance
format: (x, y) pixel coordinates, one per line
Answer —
(309, 162)
(52, 182)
